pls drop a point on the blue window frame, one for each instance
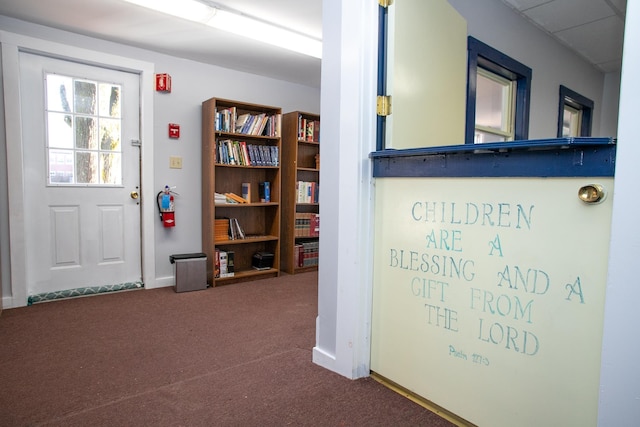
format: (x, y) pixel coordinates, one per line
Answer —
(484, 56)
(576, 102)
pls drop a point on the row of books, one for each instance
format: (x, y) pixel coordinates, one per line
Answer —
(308, 130)
(306, 254)
(224, 263)
(306, 224)
(240, 153)
(259, 124)
(227, 229)
(307, 192)
(229, 198)
(264, 194)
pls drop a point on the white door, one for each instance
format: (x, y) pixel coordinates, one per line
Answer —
(81, 176)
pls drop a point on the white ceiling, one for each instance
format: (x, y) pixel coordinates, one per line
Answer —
(122, 22)
(593, 28)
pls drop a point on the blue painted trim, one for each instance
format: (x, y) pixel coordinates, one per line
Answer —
(382, 73)
(574, 99)
(562, 157)
(472, 82)
(480, 54)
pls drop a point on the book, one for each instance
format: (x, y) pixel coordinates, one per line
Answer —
(302, 126)
(230, 152)
(223, 263)
(314, 225)
(245, 153)
(230, 264)
(241, 121)
(216, 265)
(220, 198)
(237, 231)
(264, 191)
(221, 229)
(246, 191)
(257, 127)
(297, 250)
(253, 155)
(235, 197)
(247, 125)
(309, 130)
(300, 255)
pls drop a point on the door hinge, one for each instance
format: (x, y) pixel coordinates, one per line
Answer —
(384, 105)
(385, 3)
(136, 143)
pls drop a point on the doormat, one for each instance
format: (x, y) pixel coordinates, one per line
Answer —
(79, 292)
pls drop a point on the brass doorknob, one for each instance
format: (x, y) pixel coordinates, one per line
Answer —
(592, 193)
(134, 194)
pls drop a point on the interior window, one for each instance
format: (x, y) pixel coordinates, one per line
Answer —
(574, 114)
(571, 118)
(494, 108)
(498, 93)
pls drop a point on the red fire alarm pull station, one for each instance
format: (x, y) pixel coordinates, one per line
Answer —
(174, 130)
(163, 82)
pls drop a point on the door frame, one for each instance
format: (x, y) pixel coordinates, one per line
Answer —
(11, 46)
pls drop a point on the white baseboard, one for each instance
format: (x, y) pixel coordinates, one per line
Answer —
(161, 282)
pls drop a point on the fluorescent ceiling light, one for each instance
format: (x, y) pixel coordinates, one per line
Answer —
(185, 9)
(265, 32)
(235, 23)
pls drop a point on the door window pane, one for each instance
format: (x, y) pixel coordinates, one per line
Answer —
(110, 168)
(85, 97)
(86, 133)
(60, 130)
(59, 90)
(110, 135)
(86, 167)
(84, 118)
(109, 100)
(61, 166)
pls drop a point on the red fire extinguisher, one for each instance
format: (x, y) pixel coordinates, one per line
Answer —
(166, 206)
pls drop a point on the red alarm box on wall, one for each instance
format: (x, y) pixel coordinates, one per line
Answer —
(163, 82)
(174, 130)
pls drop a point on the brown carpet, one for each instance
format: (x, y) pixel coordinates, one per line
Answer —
(237, 355)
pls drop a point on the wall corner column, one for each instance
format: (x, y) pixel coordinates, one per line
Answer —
(348, 95)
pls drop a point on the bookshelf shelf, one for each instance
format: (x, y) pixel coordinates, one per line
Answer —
(247, 240)
(245, 205)
(230, 160)
(300, 187)
(245, 275)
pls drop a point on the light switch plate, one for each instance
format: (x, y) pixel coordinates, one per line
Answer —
(175, 162)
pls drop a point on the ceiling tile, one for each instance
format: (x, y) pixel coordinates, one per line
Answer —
(599, 41)
(524, 4)
(560, 15)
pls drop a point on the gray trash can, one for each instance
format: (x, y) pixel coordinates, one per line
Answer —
(190, 271)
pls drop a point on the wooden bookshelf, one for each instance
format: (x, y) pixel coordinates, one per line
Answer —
(260, 221)
(300, 207)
